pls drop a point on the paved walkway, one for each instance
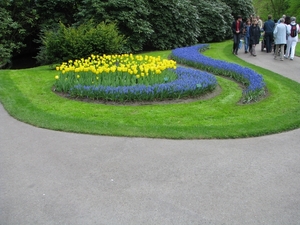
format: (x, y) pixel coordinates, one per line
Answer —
(50, 177)
(287, 68)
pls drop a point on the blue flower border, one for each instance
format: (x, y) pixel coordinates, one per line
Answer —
(254, 82)
(190, 82)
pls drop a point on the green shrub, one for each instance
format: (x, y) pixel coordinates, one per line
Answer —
(132, 18)
(65, 43)
(164, 24)
(214, 21)
(10, 34)
(175, 24)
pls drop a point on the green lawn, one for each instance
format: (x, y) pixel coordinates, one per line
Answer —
(297, 53)
(27, 96)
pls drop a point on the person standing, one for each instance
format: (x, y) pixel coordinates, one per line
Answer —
(292, 32)
(260, 22)
(280, 33)
(247, 36)
(237, 29)
(268, 29)
(254, 36)
(283, 16)
(287, 21)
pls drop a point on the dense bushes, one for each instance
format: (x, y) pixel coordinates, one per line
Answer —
(132, 18)
(9, 33)
(214, 21)
(146, 24)
(164, 24)
(67, 43)
(238, 7)
(175, 24)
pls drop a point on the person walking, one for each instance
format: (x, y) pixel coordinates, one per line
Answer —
(247, 36)
(268, 29)
(280, 33)
(287, 21)
(237, 28)
(292, 32)
(254, 36)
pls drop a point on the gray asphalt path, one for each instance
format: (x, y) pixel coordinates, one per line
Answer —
(288, 68)
(50, 177)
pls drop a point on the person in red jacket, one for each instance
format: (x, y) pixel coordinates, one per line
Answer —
(237, 30)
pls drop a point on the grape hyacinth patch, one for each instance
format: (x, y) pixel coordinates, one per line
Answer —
(190, 82)
(255, 85)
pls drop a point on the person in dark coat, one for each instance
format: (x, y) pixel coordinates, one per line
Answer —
(237, 29)
(269, 26)
(254, 36)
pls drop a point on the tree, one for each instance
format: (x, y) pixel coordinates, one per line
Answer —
(214, 21)
(132, 18)
(240, 7)
(52, 12)
(276, 8)
(294, 9)
(175, 23)
(11, 37)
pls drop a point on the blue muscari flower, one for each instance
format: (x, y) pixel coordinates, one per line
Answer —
(192, 54)
(187, 80)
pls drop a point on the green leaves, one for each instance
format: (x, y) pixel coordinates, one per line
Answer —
(11, 34)
(76, 42)
(214, 21)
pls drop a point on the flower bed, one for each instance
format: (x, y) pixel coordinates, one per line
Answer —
(90, 79)
(190, 82)
(191, 56)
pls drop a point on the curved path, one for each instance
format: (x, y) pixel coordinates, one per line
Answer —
(50, 177)
(287, 68)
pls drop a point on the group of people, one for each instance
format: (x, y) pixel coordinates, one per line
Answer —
(250, 31)
(283, 33)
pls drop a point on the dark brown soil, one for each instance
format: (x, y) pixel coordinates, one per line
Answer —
(208, 95)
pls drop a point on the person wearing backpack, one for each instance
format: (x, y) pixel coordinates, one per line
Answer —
(292, 32)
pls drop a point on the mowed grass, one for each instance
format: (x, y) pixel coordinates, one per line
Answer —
(26, 95)
(297, 51)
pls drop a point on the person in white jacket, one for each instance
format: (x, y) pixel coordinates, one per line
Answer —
(291, 41)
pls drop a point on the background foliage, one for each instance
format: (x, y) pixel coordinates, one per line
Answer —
(240, 7)
(10, 32)
(131, 16)
(67, 43)
(147, 24)
(276, 8)
(214, 21)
